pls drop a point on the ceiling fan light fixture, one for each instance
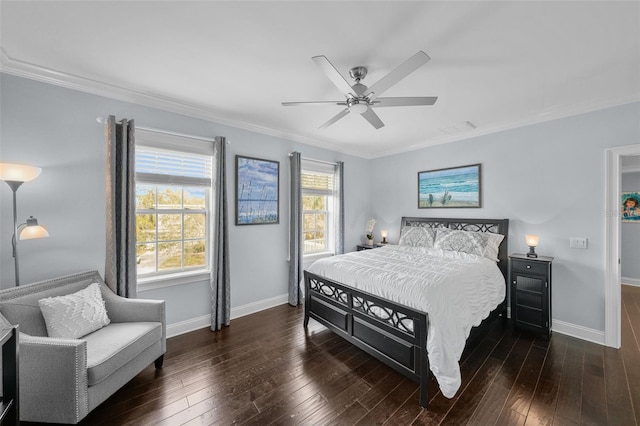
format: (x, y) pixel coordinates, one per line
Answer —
(358, 106)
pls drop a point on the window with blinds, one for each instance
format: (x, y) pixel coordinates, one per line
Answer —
(172, 211)
(317, 210)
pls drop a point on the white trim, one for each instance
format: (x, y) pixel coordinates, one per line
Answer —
(37, 72)
(155, 282)
(260, 305)
(578, 331)
(631, 169)
(174, 141)
(612, 302)
(204, 321)
(189, 325)
(635, 282)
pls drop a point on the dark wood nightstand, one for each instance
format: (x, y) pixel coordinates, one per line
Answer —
(9, 408)
(361, 247)
(530, 292)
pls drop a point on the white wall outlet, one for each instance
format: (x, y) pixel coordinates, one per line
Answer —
(578, 242)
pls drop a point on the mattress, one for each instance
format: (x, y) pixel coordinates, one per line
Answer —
(457, 290)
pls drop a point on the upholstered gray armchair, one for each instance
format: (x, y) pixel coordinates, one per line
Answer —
(61, 379)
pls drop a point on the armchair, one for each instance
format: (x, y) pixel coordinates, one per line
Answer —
(62, 380)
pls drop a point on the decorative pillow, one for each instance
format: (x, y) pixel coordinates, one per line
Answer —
(417, 236)
(480, 243)
(75, 315)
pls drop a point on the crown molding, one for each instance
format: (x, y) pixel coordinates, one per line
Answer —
(481, 131)
(19, 68)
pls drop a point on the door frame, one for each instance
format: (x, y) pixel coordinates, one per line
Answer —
(612, 296)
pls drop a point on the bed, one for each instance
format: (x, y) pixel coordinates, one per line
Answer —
(394, 330)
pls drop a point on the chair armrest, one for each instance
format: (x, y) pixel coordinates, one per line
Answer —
(53, 379)
(121, 309)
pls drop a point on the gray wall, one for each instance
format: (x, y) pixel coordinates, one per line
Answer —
(548, 179)
(630, 241)
(55, 128)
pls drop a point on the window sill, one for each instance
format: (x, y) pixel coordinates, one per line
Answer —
(308, 259)
(161, 281)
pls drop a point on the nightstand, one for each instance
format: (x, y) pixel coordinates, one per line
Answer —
(530, 292)
(361, 247)
(9, 408)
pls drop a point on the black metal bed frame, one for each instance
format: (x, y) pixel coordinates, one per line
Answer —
(381, 327)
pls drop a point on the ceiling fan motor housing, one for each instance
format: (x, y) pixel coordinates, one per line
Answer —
(358, 73)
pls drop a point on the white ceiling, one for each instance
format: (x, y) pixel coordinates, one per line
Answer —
(498, 65)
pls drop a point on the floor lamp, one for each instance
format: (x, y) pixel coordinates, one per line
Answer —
(15, 175)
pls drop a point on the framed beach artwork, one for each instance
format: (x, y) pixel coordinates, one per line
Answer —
(257, 189)
(454, 187)
(630, 209)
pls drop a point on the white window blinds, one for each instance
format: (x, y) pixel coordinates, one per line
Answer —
(155, 165)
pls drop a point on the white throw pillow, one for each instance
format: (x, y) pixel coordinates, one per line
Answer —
(479, 243)
(417, 236)
(75, 315)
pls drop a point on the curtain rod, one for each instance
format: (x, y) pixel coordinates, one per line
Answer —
(332, 163)
(166, 132)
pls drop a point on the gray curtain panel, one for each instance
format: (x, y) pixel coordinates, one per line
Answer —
(120, 264)
(221, 272)
(295, 230)
(339, 183)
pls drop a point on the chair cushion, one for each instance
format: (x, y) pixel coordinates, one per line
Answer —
(115, 345)
(74, 315)
(19, 305)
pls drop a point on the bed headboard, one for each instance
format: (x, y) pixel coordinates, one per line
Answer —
(496, 226)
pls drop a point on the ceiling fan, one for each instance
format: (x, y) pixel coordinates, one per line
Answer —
(362, 99)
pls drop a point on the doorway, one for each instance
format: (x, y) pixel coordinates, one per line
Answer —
(613, 311)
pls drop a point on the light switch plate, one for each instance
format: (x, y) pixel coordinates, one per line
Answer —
(578, 242)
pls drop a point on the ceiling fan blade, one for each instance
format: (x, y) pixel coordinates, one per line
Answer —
(372, 118)
(335, 118)
(405, 101)
(400, 72)
(314, 103)
(332, 73)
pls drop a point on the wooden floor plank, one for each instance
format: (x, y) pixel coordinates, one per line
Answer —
(268, 369)
(543, 404)
(569, 403)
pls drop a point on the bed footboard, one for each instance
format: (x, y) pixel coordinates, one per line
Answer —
(394, 334)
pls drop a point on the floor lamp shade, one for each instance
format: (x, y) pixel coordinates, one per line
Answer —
(31, 230)
(15, 175)
(18, 172)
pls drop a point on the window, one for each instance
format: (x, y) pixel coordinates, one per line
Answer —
(173, 190)
(318, 207)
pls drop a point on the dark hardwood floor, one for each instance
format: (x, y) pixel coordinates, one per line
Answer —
(265, 369)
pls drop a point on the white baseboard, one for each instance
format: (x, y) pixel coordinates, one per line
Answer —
(203, 321)
(186, 326)
(631, 281)
(578, 331)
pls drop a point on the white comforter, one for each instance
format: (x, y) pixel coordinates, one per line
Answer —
(457, 290)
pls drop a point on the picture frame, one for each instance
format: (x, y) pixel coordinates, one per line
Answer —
(630, 207)
(452, 187)
(257, 191)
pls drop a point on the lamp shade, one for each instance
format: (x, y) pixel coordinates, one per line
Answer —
(383, 233)
(18, 172)
(31, 230)
(532, 240)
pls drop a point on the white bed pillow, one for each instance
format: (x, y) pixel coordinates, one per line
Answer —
(417, 236)
(75, 315)
(479, 243)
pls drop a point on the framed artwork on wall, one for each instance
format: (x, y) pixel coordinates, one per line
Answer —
(257, 189)
(453, 187)
(630, 209)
